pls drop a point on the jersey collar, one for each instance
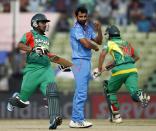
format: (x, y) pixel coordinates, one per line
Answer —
(113, 38)
(36, 33)
(78, 25)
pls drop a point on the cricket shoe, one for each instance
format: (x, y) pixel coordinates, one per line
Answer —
(56, 122)
(144, 99)
(116, 119)
(82, 124)
(9, 106)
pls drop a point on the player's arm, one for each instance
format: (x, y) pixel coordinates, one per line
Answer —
(101, 59)
(26, 43)
(88, 44)
(99, 37)
(24, 47)
(97, 71)
(80, 36)
(59, 60)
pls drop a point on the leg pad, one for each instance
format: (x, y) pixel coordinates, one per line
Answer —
(53, 101)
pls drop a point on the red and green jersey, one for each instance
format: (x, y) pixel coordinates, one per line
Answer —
(32, 39)
(122, 53)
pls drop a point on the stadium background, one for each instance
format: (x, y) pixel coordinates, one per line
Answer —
(136, 20)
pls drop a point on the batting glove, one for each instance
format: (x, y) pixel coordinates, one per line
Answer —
(64, 69)
(96, 73)
(40, 50)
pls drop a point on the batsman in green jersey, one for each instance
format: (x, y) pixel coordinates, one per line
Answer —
(123, 72)
(38, 72)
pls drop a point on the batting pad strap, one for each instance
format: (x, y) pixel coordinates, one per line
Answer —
(52, 90)
(105, 84)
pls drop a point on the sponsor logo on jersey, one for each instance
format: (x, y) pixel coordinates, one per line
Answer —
(41, 42)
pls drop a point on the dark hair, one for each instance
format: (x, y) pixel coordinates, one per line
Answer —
(81, 9)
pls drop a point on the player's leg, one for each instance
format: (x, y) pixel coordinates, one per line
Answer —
(137, 94)
(81, 73)
(110, 91)
(29, 85)
(49, 89)
(105, 86)
(53, 105)
(15, 101)
(10, 107)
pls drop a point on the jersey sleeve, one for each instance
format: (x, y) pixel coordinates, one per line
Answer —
(79, 34)
(28, 39)
(133, 51)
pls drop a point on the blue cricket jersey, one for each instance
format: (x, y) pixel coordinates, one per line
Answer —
(78, 32)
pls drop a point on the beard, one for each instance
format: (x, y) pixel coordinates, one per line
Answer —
(82, 23)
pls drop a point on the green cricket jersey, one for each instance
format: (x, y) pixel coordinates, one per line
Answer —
(38, 72)
(122, 53)
(32, 39)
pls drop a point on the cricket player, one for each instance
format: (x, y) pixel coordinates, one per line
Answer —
(81, 36)
(123, 72)
(38, 72)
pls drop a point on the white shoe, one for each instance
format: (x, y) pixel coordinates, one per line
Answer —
(9, 106)
(83, 124)
(144, 99)
(117, 119)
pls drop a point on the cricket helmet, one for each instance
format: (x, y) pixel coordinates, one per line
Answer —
(37, 18)
(112, 31)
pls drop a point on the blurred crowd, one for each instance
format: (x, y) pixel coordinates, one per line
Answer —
(142, 13)
(11, 66)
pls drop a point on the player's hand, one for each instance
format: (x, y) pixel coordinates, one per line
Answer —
(40, 50)
(96, 48)
(103, 69)
(97, 25)
(64, 69)
(96, 73)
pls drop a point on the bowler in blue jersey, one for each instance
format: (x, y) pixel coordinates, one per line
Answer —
(82, 39)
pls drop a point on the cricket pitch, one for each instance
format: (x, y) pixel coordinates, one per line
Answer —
(98, 125)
